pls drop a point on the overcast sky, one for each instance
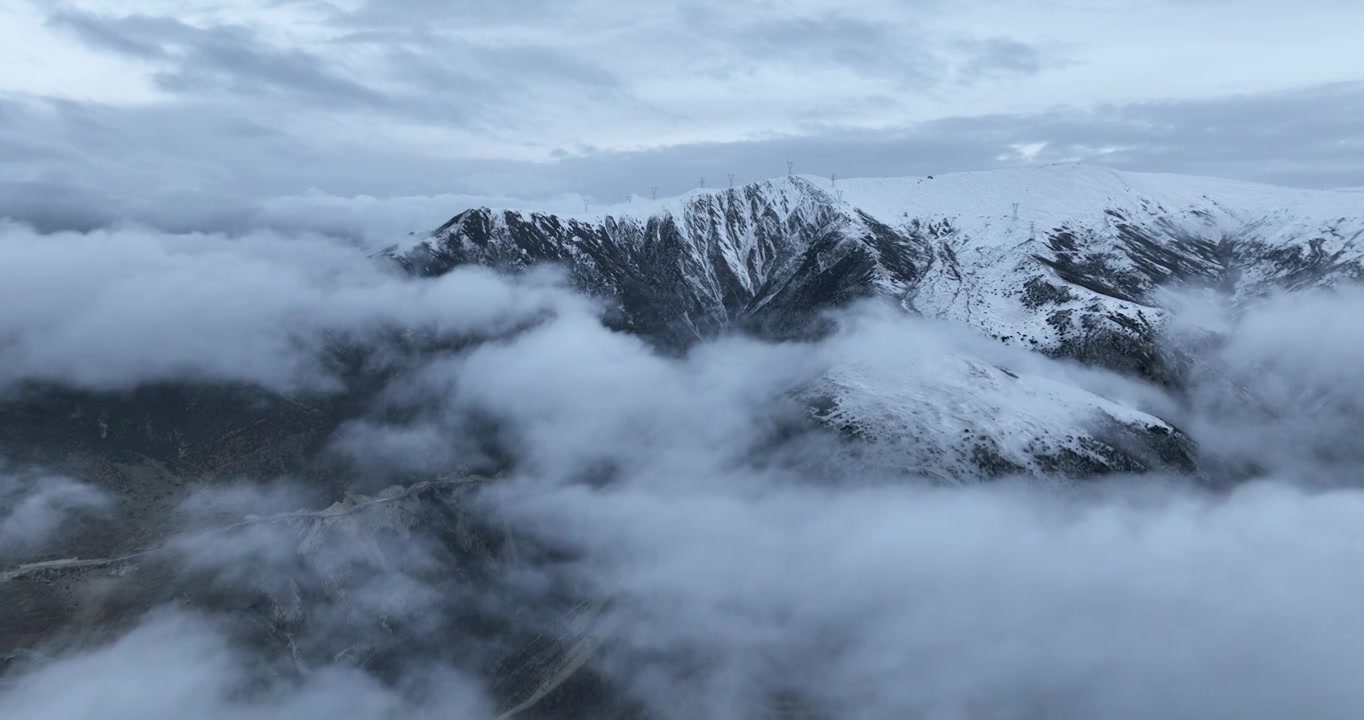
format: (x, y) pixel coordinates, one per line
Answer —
(199, 113)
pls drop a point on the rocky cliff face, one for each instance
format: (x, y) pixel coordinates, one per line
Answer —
(766, 257)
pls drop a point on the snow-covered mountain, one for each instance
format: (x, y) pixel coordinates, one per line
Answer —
(1069, 260)
(1072, 261)
(958, 420)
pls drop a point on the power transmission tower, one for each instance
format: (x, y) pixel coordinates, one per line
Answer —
(789, 166)
(833, 180)
(653, 193)
(731, 179)
(703, 183)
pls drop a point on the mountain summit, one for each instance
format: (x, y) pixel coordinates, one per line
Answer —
(1073, 261)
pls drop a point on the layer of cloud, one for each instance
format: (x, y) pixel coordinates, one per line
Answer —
(257, 103)
(1307, 137)
(743, 561)
(746, 575)
(177, 665)
(1281, 393)
(140, 306)
(207, 167)
(262, 609)
(978, 603)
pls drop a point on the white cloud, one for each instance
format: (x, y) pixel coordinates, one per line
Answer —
(741, 568)
(991, 602)
(741, 561)
(177, 665)
(111, 309)
(190, 117)
(739, 574)
(36, 508)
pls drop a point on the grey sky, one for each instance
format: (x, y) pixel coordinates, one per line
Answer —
(199, 114)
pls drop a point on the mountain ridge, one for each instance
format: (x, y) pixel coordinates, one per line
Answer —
(1072, 261)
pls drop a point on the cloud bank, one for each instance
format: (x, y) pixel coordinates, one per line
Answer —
(743, 560)
(142, 306)
(232, 174)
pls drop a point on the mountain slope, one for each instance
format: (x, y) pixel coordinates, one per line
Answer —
(767, 256)
(1075, 262)
(958, 419)
(1069, 260)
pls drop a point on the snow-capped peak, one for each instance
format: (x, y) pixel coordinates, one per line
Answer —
(1071, 260)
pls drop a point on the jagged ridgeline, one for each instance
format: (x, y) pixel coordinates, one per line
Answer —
(1069, 260)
